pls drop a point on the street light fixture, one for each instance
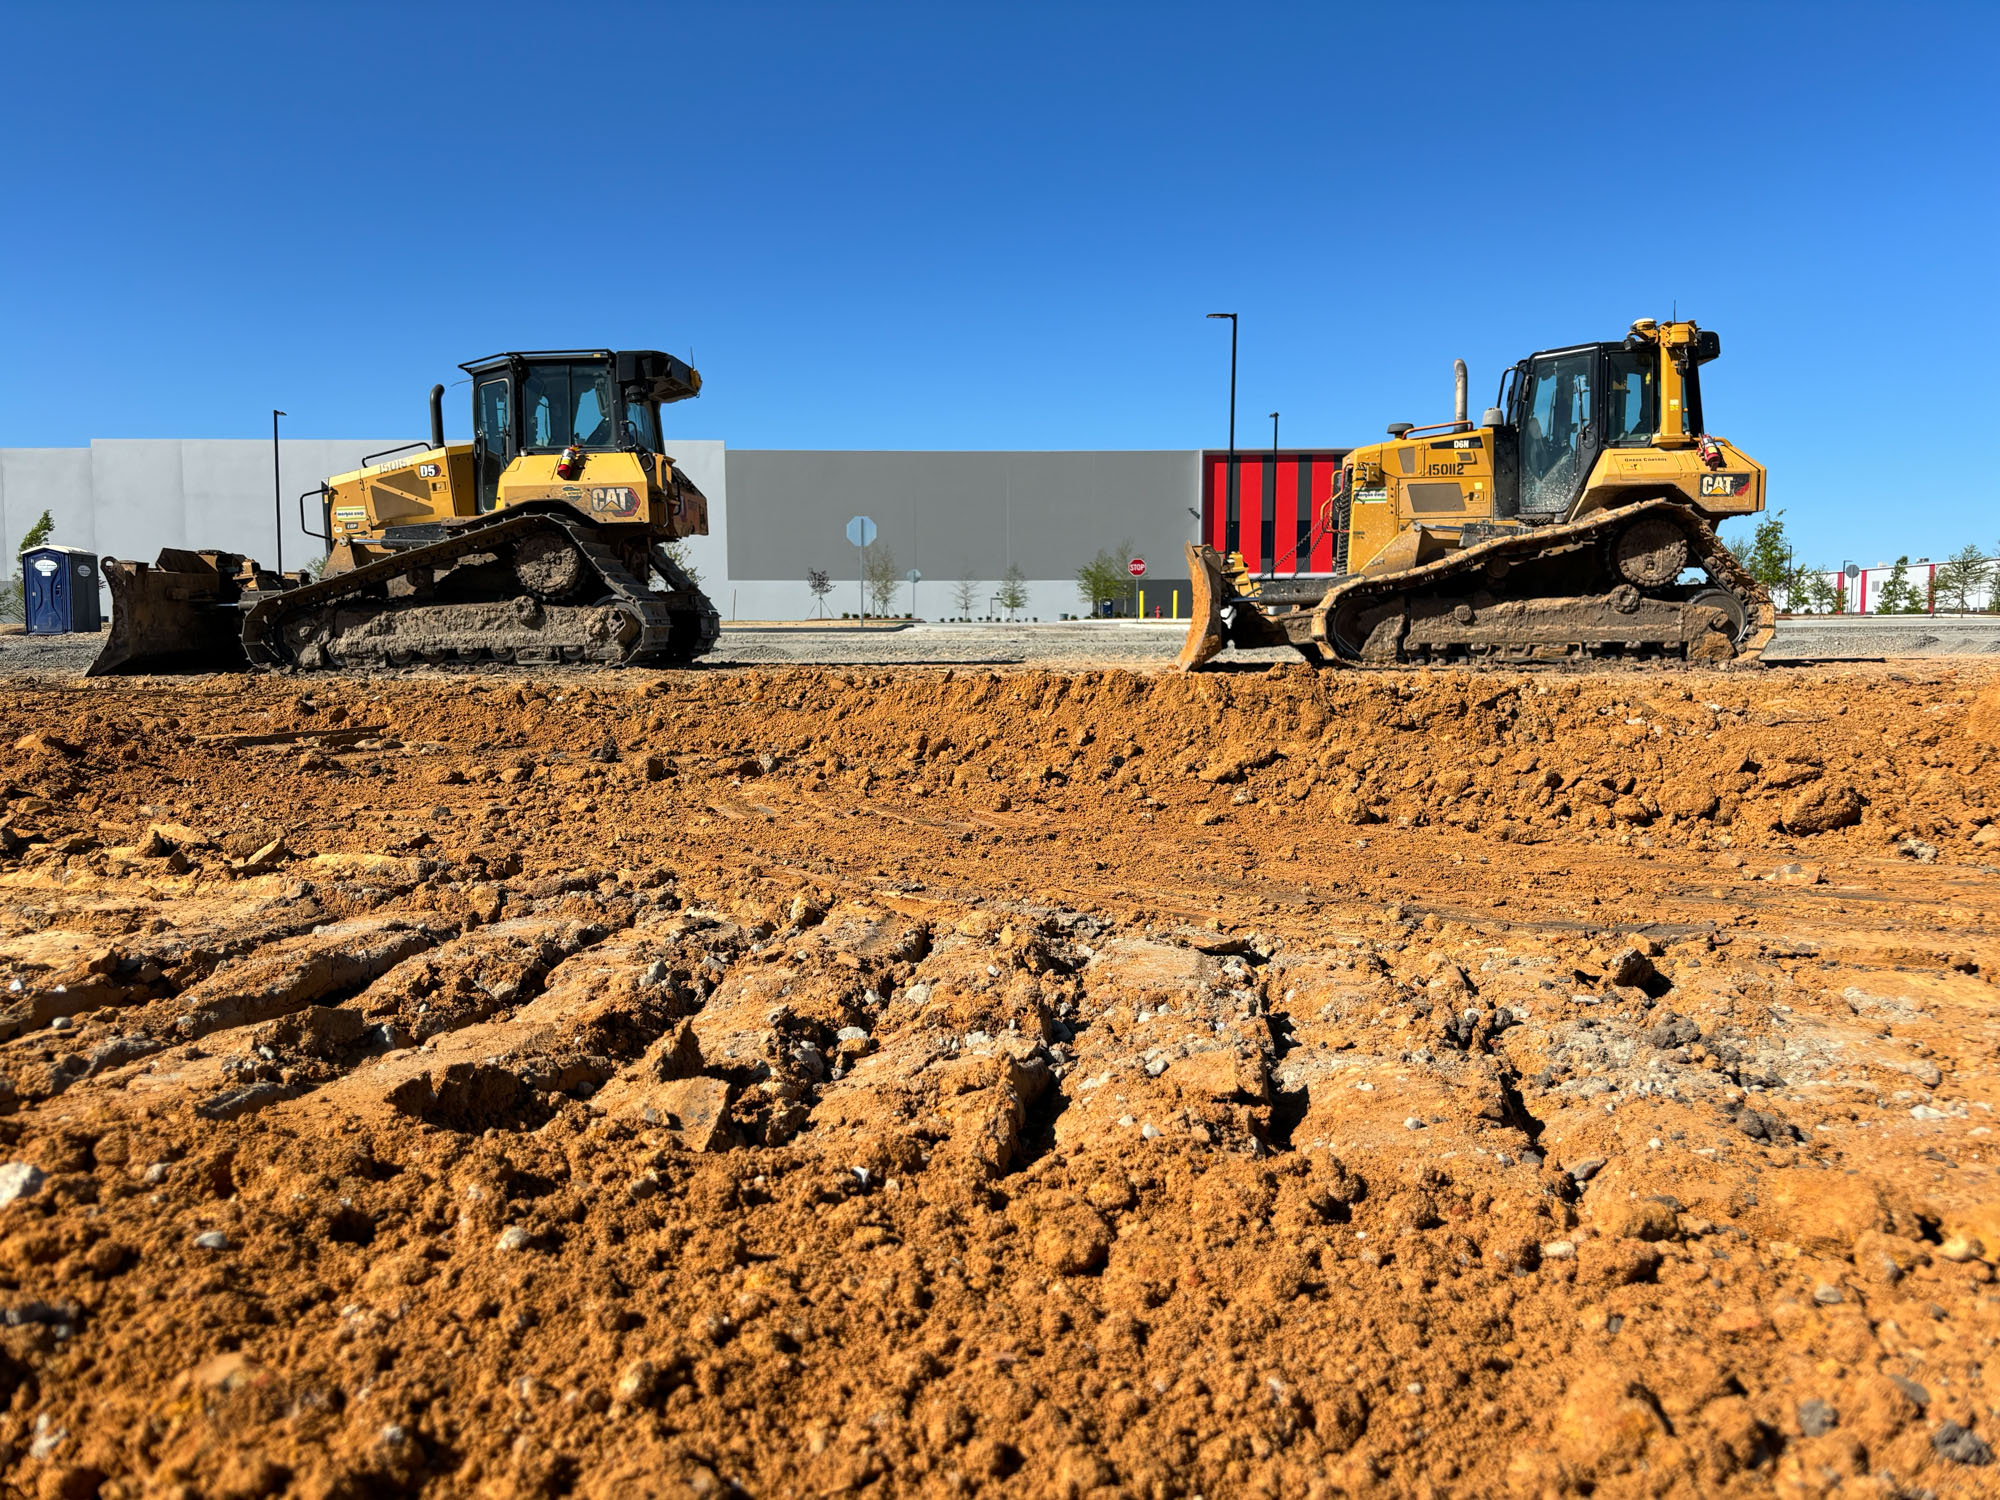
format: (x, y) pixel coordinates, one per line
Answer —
(1229, 488)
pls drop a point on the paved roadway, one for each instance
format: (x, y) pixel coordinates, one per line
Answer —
(1087, 643)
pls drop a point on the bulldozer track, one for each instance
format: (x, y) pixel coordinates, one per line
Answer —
(656, 630)
(1705, 550)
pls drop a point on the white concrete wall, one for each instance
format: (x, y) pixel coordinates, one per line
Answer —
(130, 497)
(33, 480)
(701, 459)
(1864, 592)
(790, 599)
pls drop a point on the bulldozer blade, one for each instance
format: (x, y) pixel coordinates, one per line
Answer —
(1210, 591)
(178, 615)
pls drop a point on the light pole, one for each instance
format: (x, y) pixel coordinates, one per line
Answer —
(1229, 517)
(277, 489)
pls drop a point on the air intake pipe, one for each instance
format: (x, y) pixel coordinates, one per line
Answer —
(437, 409)
(1458, 380)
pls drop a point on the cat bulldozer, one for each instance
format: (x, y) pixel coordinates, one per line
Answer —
(1575, 521)
(537, 542)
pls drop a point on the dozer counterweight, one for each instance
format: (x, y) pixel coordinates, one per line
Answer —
(539, 541)
(1576, 520)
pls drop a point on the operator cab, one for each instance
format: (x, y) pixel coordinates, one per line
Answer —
(1564, 407)
(598, 400)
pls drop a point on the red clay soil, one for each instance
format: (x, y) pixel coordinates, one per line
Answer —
(1092, 1084)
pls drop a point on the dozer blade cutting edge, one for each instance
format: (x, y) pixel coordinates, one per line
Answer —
(1210, 587)
(1225, 616)
(178, 614)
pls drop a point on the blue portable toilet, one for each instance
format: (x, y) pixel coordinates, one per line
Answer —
(62, 590)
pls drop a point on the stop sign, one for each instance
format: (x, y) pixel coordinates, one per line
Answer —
(1137, 567)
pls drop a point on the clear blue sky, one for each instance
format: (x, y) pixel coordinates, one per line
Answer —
(939, 226)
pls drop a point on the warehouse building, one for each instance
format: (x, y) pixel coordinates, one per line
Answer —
(775, 515)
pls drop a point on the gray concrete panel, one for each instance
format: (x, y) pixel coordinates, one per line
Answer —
(701, 459)
(772, 515)
(135, 486)
(33, 480)
(213, 493)
(1046, 512)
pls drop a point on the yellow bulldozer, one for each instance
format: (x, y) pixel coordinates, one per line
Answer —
(1576, 520)
(537, 542)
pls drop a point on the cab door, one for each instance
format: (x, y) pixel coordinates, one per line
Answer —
(1562, 431)
(493, 446)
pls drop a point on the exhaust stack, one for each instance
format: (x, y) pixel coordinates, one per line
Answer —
(437, 410)
(1458, 380)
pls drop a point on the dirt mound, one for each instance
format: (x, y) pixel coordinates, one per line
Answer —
(1073, 1084)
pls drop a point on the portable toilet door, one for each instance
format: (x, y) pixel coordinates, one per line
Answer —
(61, 590)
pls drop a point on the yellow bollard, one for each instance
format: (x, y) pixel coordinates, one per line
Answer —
(1142, 604)
(1177, 604)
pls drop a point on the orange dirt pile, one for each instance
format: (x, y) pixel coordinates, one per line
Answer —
(1094, 1084)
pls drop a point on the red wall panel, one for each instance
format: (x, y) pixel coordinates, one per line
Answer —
(1286, 559)
(1322, 497)
(1250, 508)
(1320, 465)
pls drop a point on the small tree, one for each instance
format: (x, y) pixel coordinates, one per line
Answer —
(1897, 597)
(1100, 581)
(965, 592)
(1840, 593)
(38, 533)
(677, 554)
(1768, 558)
(821, 584)
(1817, 589)
(1801, 588)
(1960, 576)
(1013, 590)
(879, 572)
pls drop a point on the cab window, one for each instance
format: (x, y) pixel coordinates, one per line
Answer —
(565, 404)
(1632, 407)
(641, 430)
(494, 418)
(1556, 431)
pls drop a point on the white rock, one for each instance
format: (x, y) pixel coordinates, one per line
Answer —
(213, 1239)
(1559, 1250)
(513, 1237)
(19, 1179)
(1413, 1123)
